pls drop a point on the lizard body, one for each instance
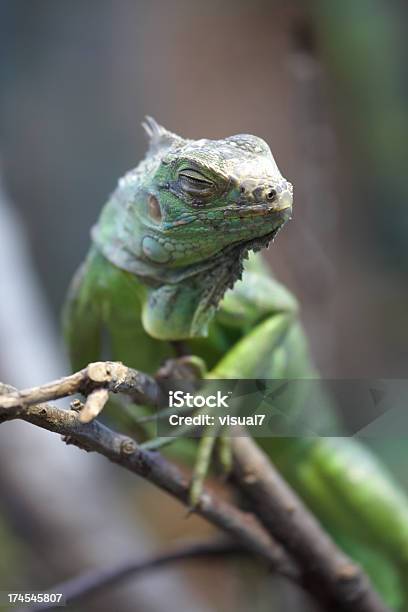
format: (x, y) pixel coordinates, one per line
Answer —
(170, 242)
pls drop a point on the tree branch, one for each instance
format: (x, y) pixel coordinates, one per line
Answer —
(92, 581)
(326, 570)
(110, 375)
(340, 583)
(124, 451)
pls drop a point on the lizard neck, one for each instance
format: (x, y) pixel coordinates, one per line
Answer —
(184, 309)
(182, 301)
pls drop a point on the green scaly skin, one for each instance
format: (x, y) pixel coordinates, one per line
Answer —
(169, 243)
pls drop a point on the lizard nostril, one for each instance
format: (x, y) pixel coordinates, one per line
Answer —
(271, 195)
(242, 190)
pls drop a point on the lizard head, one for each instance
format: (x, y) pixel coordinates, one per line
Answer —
(204, 195)
(185, 218)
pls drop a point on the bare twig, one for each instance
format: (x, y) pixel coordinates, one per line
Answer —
(110, 375)
(94, 405)
(124, 451)
(341, 584)
(92, 581)
(325, 568)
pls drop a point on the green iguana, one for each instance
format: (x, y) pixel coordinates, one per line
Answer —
(169, 243)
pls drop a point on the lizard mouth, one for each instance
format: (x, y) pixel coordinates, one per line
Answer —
(259, 210)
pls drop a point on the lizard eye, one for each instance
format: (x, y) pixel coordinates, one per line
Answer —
(194, 182)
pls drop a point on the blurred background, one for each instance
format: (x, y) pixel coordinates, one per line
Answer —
(325, 84)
